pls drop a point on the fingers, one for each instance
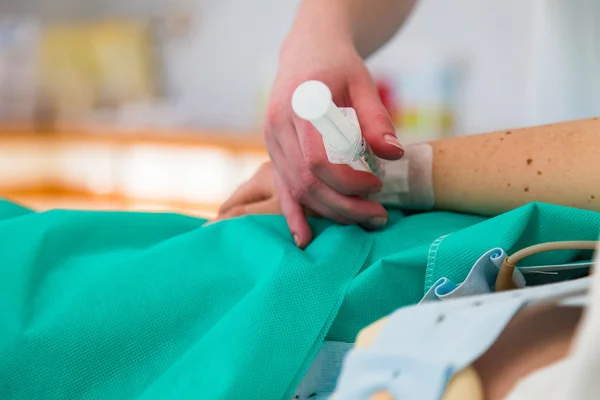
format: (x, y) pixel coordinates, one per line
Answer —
(258, 188)
(304, 177)
(341, 178)
(270, 206)
(377, 128)
(293, 213)
(297, 182)
(367, 213)
(306, 188)
(291, 208)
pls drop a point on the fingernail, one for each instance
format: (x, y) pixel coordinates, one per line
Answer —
(378, 222)
(296, 239)
(393, 140)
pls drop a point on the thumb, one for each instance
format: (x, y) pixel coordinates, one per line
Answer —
(376, 125)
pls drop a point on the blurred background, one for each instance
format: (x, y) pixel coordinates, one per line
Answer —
(158, 104)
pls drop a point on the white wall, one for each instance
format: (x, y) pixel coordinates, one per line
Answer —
(218, 74)
(515, 57)
(493, 37)
(53, 10)
(566, 69)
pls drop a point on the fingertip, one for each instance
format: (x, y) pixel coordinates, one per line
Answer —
(301, 233)
(375, 223)
(294, 215)
(300, 242)
(378, 128)
(297, 223)
(392, 140)
(380, 133)
(388, 147)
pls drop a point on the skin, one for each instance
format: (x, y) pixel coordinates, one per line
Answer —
(484, 174)
(496, 172)
(489, 174)
(328, 42)
(536, 337)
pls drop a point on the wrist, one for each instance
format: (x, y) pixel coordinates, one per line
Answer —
(408, 182)
(319, 24)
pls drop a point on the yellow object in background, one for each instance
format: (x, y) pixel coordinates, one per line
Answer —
(123, 55)
(67, 71)
(100, 64)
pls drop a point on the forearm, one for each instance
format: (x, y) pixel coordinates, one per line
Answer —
(366, 24)
(495, 172)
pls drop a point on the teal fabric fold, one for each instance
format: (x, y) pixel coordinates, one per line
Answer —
(108, 305)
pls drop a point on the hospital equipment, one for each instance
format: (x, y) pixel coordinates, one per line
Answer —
(406, 182)
(479, 281)
(504, 280)
(438, 344)
(342, 136)
(416, 352)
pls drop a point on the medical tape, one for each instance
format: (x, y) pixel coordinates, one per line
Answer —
(408, 182)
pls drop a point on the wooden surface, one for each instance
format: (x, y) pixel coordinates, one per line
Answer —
(42, 201)
(46, 195)
(231, 140)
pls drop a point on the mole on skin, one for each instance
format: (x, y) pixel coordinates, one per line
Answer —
(539, 172)
(527, 189)
(529, 161)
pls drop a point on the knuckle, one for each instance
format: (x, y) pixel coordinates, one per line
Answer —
(314, 163)
(276, 114)
(222, 210)
(381, 118)
(308, 185)
(298, 192)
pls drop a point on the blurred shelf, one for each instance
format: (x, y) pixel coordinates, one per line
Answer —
(49, 201)
(231, 140)
(188, 172)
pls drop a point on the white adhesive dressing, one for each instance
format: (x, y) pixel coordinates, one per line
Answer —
(408, 182)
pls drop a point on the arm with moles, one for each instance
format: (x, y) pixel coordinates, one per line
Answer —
(492, 173)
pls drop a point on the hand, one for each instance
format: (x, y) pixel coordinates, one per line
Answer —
(302, 174)
(256, 196)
